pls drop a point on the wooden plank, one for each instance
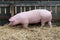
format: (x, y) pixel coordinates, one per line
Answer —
(4, 17)
(56, 19)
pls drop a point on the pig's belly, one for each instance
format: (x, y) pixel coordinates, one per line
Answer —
(34, 20)
(31, 22)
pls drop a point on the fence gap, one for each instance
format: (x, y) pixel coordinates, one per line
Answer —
(39, 7)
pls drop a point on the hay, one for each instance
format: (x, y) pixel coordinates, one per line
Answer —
(17, 33)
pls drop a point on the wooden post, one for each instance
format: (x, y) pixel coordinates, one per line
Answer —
(24, 8)
(56, 9)
(15, 9)
(30, 8)
(5, 10)
(21, 9)
(50, 7)
(35, 7)
(45, 7)
(0, 10)
(12, 9)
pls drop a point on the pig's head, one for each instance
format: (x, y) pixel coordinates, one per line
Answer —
(11, 20)
(11, 23)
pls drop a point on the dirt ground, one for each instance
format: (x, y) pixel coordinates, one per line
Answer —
(38, 33)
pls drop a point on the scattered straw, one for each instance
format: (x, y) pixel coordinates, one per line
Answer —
(17, 33)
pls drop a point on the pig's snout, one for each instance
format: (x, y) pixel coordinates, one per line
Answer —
(10, 24)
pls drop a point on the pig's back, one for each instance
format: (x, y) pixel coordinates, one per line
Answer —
(32, 16)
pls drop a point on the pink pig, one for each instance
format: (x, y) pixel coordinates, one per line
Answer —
(33, 16)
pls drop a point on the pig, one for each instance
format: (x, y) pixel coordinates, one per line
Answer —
(30, 17)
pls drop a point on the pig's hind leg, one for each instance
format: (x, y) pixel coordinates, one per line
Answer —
(50, 24)
(42, 23)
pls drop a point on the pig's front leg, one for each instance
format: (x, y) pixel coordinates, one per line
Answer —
(25, 26)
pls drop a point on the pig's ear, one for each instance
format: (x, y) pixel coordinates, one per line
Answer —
(50, 10)
(11, 20)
